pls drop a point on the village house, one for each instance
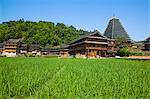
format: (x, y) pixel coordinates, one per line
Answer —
(58, 51)
(34, 49)
(92, 45)
(50, 51)
(64, 51)
(45, 51)
(147, 44)
(23, 49)
(1, 48)
(111, 45)
(11, 47)
(138, 45)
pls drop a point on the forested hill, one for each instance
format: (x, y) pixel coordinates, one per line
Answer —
(42, 32)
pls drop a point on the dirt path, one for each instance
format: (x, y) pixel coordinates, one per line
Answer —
(140, 57)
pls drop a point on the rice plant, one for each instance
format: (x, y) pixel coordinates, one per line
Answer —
(74, 78)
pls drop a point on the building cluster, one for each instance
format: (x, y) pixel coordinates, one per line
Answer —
(14, 47)
(93, 44)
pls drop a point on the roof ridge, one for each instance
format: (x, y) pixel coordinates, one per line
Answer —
(89, 34)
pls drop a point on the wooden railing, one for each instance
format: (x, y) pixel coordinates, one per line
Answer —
(9, 50)
(96, 48)
(10, 47)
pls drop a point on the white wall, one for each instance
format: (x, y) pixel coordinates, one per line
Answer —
(9, 54)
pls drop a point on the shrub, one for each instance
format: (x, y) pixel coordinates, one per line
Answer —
(127, 52)
(136, 53)
(123, 52)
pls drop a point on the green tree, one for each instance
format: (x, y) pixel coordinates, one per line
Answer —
(42, 32)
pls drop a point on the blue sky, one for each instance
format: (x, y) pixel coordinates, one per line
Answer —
(85, 14)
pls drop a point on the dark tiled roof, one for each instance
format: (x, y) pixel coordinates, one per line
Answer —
(24, 47)
(56, 48)
(14, 40)
(34, 47)
(64, 46)
(45, 49)
(24, 44)
(115, 30)
(147, 40)
(88, 35)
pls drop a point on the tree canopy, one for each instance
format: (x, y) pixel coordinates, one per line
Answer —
(42, 32)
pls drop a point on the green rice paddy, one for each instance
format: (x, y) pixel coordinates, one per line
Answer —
(74, 78)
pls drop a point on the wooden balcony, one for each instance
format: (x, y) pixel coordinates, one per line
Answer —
(110, 45)
(14, 47)
(9, 50)
(96, 48)
(77, 48)
(7, 44)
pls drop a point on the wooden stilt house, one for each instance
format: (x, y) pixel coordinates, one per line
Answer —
(92, 45)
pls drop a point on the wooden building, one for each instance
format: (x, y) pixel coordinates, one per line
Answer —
(138, 45)
(111, 45)
(58, 51)
(1, 48)
(11, 47)
(147, 44)
(34, 49)
(50, 51)
(92, 45)
(23, 49)
(64, 51)
(45, 51)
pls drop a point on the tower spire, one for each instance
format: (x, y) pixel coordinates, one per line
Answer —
(115, 29)
(113, 17)
(112, 29)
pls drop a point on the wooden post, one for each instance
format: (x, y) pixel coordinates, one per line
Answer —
(100, 53)
(87, 53)
(104, 53)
